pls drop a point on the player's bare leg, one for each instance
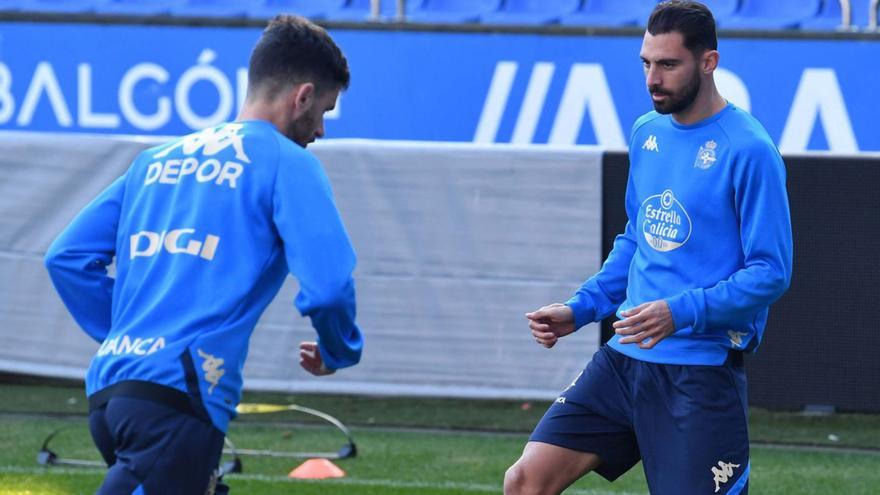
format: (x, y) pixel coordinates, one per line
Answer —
(547, 469)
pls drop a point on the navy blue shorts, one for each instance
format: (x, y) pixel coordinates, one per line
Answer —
(152, 448)
(687, 424)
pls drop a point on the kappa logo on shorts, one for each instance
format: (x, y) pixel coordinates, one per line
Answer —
(736, 338)
(212, 370)
(723, 473)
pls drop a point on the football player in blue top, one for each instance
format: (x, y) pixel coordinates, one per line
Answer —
(204, 230)
(706, 249)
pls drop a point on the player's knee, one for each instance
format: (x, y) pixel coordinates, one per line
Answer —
(517, 482)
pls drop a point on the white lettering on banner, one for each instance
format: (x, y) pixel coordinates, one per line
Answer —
(171, 242)
(203, 72)
(732, 88)
(126, 97)
(241, 83)
(124, 345)
(587, 88)
(44, 80)
(7, 102)
(496, 102)
(85, 116)
(818, 95)
(533, 104)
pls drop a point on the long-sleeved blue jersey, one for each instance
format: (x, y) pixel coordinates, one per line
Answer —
(708, 231)
(204, 230)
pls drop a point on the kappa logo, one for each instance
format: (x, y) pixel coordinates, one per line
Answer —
(651, 144)
(211, 141)
(723, 473)
(211, 366)
(706, 155)
(736, 337)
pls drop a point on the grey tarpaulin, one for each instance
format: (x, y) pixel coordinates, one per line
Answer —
(455, 243)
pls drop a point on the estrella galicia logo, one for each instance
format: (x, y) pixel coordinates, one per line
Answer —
(667, 225)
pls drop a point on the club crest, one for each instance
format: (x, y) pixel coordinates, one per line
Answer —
(706, 155)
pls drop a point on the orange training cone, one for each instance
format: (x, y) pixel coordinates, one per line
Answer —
(316, 469)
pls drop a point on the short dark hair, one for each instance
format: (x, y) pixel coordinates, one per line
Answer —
(692, 19)
(293, 50)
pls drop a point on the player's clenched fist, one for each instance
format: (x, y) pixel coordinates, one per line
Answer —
(551, 322)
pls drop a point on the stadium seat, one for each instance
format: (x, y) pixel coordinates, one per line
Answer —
(531, 12)
(359, 11)
(780, 14)
(214, 8)
(611, 13)
(58, 6)
(452, 11)
(829, 18)
(722, 9)
(313, 9)
(11, 5)
(137, 7)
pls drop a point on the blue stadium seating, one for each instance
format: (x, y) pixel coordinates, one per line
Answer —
(829, 17)
(137, 7)
(452, 11)
(612, 13)
(313, 9)
(722, 9)
(54, 6)
(10, 5)
(359, 11)
(779, 14)
(214, 8)
(531, 12)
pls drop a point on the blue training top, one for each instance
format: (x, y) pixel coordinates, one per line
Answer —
(708, 231)
(206, 228)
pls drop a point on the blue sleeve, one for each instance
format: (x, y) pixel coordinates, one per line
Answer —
(77, 261)
(761, 205)
(604, 292)
(319, 255)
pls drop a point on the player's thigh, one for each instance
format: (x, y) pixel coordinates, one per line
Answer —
(167, 451)
(694, 434)
(545, 468)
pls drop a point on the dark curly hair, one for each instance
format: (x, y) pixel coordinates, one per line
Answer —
(294, 50)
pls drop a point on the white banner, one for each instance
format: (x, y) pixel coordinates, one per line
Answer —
(455, 243)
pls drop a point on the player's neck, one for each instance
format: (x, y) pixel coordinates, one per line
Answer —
(262, 110)
(706, 104)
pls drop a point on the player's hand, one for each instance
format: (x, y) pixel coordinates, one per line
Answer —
(551, 322)
(646, 324)
(311, 361)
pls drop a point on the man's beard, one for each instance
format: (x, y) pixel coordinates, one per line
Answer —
(680, 101)
(302, 130)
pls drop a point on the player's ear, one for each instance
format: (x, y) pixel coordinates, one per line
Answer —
(709, 61)
(302, 97)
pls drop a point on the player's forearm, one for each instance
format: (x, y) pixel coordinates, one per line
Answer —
(332, 310)
(85, 288)
(732, 303)
(602, 294)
